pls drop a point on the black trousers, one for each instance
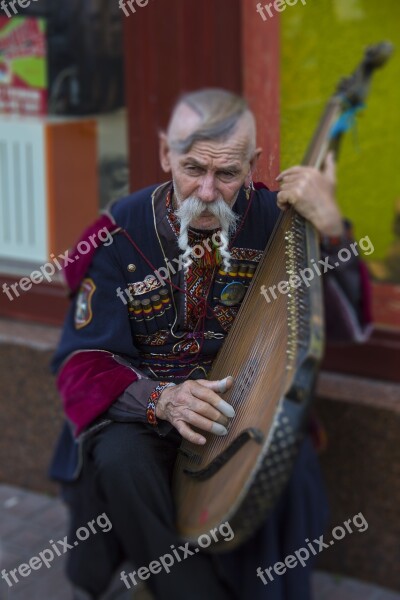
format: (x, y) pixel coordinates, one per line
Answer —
(127, 474)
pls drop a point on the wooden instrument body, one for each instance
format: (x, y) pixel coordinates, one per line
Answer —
(273, 351)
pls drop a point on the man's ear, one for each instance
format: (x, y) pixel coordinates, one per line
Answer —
(253, 164)
(164, 152)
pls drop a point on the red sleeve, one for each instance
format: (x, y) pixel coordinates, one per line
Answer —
(89, 382)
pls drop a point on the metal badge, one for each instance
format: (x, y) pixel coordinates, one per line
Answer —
(233, 293)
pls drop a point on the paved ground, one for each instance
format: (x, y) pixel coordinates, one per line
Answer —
(28, 522)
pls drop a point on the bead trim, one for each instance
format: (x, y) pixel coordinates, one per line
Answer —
(153, 399)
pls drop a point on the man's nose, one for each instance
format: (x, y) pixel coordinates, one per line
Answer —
(207, 191)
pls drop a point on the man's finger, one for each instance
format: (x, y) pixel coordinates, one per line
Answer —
(188, 434)
(205, 393)
(221, 386)
(289, 185)
(285, 198)
(193, 418)
(292, 171)
(291, 177)
(218, 385)
(207, 410)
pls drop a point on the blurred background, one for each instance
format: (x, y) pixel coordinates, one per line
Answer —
(84, 91)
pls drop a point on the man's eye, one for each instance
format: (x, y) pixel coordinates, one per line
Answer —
(193, 169)
(226, 174)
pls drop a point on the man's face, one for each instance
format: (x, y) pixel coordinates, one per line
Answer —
(210, 170)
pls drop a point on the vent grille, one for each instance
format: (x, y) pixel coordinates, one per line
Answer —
(23, 218)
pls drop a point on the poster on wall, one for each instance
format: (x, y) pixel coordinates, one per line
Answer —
(23, 66)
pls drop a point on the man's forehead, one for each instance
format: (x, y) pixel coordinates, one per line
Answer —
(231, 152)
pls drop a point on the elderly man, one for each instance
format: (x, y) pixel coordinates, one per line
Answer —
(148, 316)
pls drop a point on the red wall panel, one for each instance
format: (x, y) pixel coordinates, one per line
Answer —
(172, 47)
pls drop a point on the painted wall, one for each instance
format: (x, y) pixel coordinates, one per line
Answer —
(321, 42)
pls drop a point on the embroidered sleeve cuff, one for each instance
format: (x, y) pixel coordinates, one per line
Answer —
(152, 401)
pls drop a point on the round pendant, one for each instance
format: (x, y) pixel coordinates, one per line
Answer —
(233, 293)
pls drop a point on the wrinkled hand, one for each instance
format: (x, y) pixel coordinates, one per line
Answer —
(197, 403)
(312, 193)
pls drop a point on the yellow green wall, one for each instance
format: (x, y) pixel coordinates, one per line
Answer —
(321, 42)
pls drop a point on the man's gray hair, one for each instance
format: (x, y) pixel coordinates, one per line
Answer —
(219, 111)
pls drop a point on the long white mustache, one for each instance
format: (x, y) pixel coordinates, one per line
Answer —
(192, 208)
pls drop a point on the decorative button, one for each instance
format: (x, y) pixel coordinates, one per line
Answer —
(233, 293)
(131, 268)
